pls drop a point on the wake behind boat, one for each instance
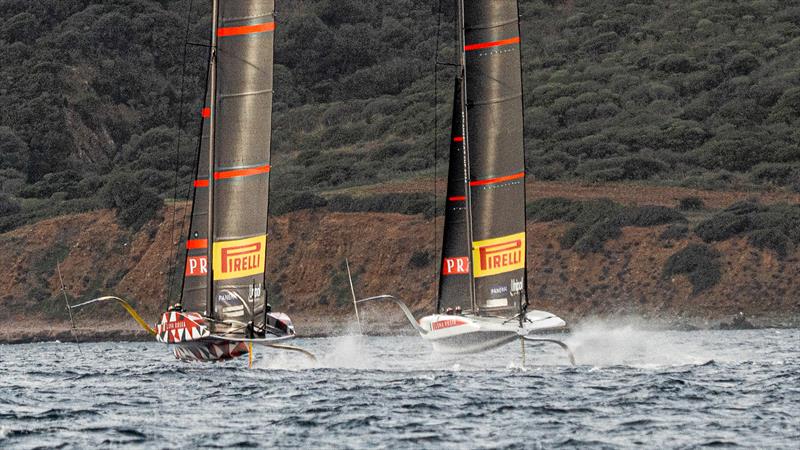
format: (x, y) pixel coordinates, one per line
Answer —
(482, 301)
(223, 309)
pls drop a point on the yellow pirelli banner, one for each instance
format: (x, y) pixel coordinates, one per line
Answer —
(498, 255)
(240, 258)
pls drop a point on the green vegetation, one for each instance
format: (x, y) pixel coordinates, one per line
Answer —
(703, 93)
(677, 231)
(699, 262)
(691, 204)
(413, 203)
(773, 227)
(402, 203)
(134, 204)
(295, 202)
(8, 205)
(420, 259)
(597, 221)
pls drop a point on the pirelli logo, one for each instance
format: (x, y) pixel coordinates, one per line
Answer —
(499, 255)
(240, 258)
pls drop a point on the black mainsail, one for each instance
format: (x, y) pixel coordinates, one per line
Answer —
(229, 217)
(454, 277)
(493, 138)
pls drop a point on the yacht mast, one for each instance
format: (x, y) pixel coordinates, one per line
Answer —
(211, 158)
(462, 60)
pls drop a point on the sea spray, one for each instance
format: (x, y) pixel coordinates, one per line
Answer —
(633, 342)
(629, 342)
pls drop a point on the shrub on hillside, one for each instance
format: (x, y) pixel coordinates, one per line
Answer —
(8, 205)
(596, 235)
(605, 175)
(691, 204)
(773, 227)
(675, 63)
(699, 262)
(722, 226)
(721, 179)
(387, 203)
(295, 201)
(66, 181)
(771, 239)
(420, 259)
(678, 231)
(134, 204)
(650, 216)
(775, 173)
(622, 168)
(553, 208)
(550, 166)
(597, 221)
(742, 64)
(787, 108)
(593, 211)
(601, 43)
(13, 151)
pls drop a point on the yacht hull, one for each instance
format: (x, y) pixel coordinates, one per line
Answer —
(458, 334)
(209, 350)
(189, 336)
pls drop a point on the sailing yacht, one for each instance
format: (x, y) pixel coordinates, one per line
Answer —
(482, 301)
(223, 309)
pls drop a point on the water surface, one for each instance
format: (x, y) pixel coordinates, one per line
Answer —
(631, 388)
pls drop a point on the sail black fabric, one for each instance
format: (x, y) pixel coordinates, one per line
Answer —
(194, 295)
(496, 156)
(240, 182)
(454, 278)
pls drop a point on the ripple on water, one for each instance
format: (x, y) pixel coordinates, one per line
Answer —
(704, 389)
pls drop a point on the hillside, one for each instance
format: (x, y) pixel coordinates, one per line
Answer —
(625, 275)
(682, 93)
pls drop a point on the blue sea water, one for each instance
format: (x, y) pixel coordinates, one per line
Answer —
(632, 388)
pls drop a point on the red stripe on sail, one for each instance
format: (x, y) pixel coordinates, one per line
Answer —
(457, 198)
(482, 45)
(200, 183)
(206, 113)
(458, 139)
(242, 172)
(495, 180)
(247, 29)
(193, 244)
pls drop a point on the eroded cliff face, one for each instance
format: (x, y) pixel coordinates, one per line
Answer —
(389, 253)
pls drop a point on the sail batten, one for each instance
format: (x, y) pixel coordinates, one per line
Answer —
(491, 45)
(234, 179)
